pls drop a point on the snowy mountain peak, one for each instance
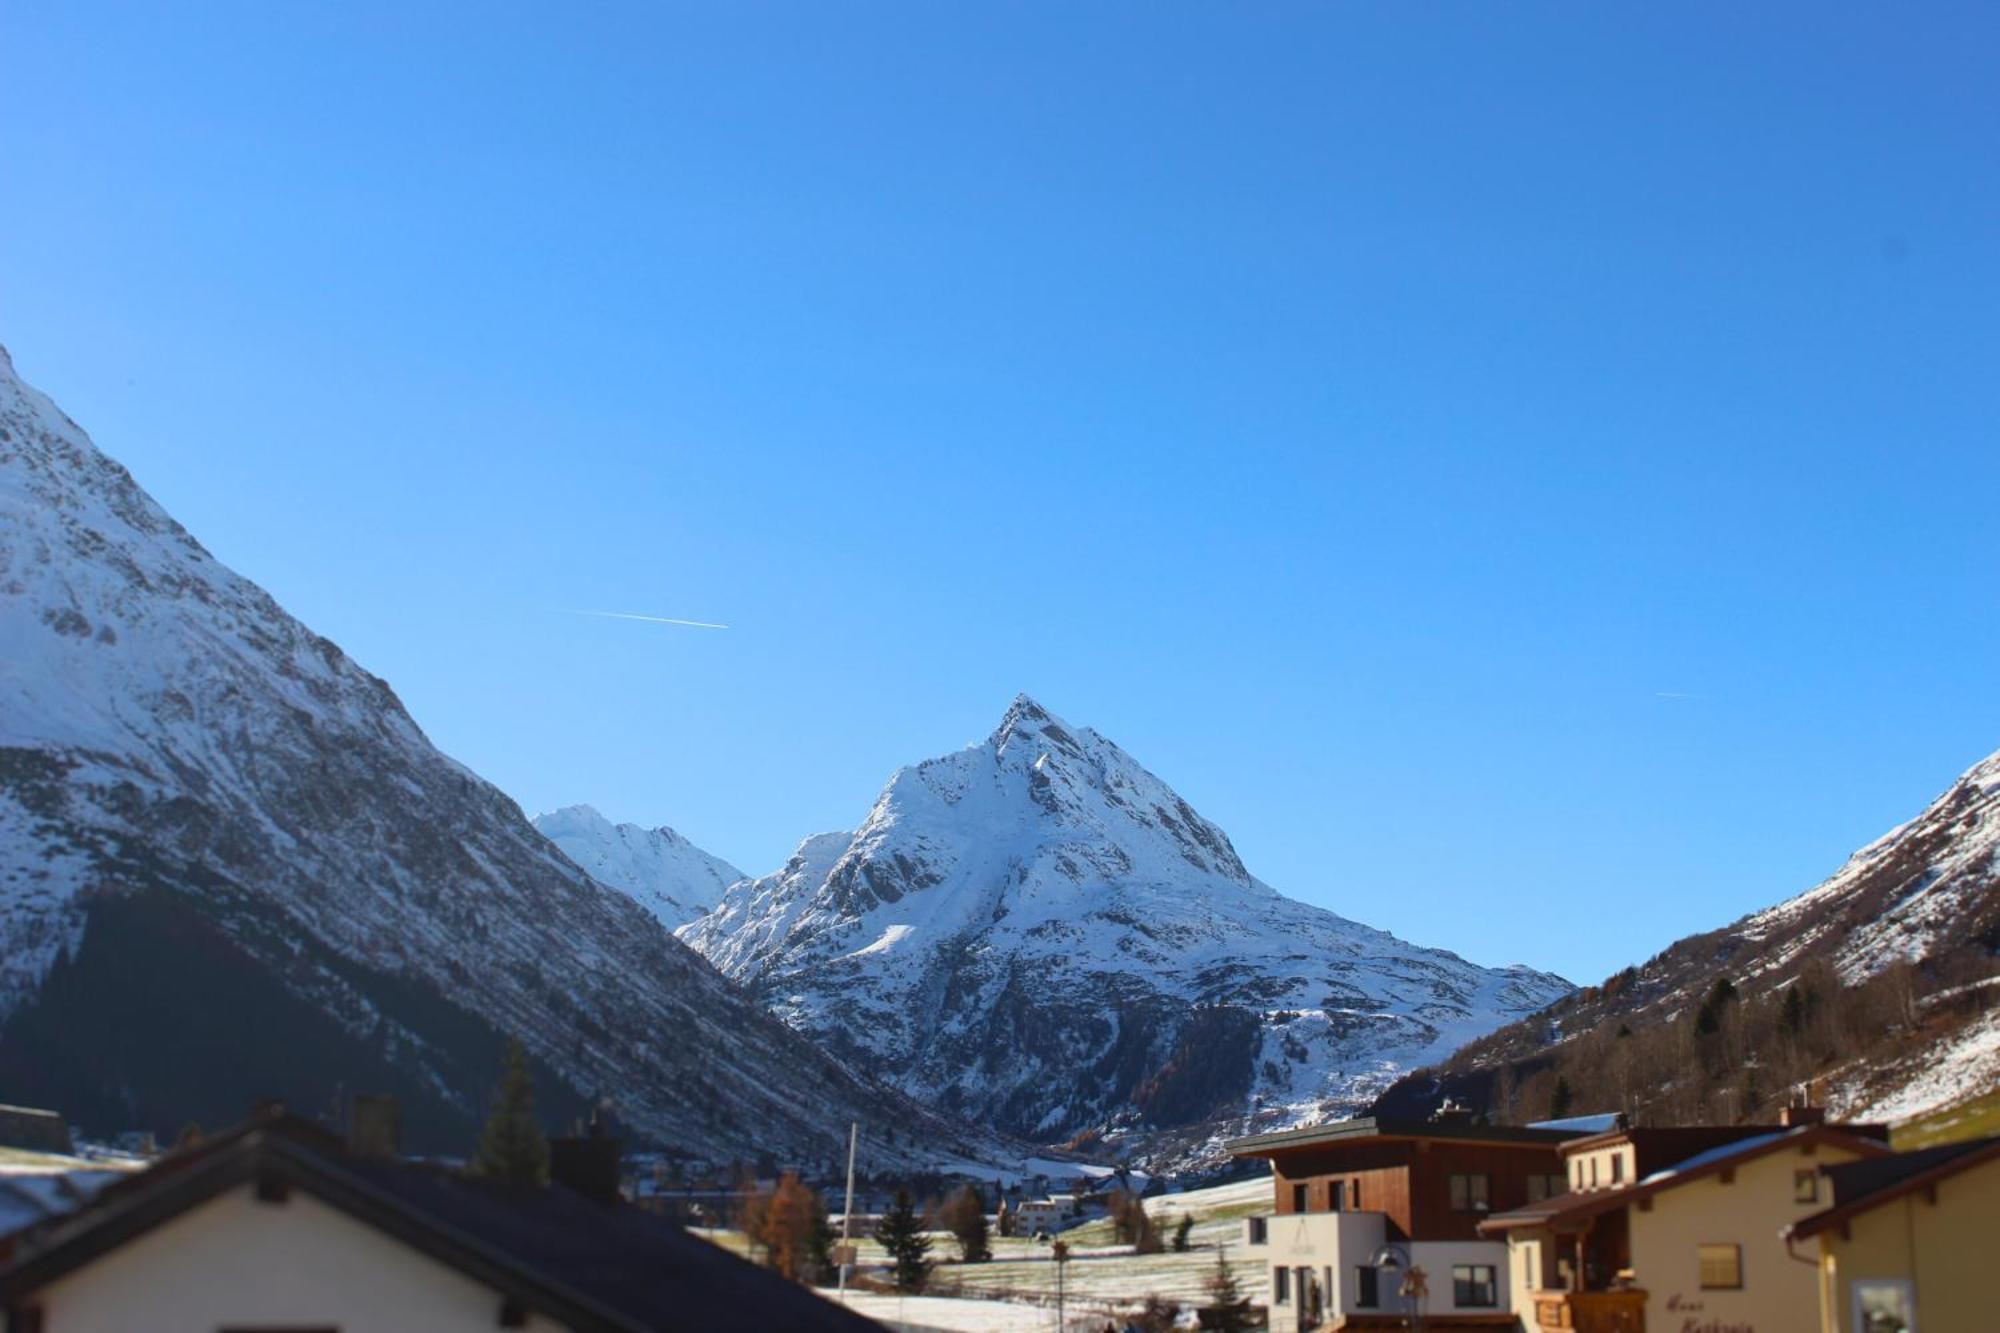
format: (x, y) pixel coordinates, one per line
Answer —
(661, 870)
(1041, 902)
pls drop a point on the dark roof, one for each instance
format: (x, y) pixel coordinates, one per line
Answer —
(1391, 1127)
(1860, 1186)
(1578, 1205)
(590, 1266)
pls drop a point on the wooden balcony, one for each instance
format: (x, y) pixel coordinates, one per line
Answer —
(1591, 1311)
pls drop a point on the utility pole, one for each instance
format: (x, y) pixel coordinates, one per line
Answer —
(847, 1213)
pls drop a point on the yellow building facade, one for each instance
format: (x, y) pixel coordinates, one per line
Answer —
(1911, 1243)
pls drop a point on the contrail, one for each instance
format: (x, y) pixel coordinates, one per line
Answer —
(651, 620)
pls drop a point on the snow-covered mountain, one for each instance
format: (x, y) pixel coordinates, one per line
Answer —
(1927, 892)
(232, 866)
(659, 869)
(1922, 888)
(1038, 933)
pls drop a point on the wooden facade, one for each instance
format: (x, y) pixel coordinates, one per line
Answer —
(1410, 1181)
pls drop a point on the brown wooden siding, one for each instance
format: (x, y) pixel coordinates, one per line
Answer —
(1410, 1180)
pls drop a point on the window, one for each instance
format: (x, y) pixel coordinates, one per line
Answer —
(1354, 1194)
(1468, 1194)
(1593, 1173)
(1805, 1185)
(1298, 1198)
(1531, 1260)
(1546, 1187)
(1576, 1174)
(1367, 1287)
(1281, 1283)
(1336, 1195)
(1474, 1286)
(1721, 1267)
(1258, 1234)
(1884, 1305)
(1617, 1167)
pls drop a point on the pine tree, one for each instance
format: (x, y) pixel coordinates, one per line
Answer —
(1793, 1019)
(1228, 1310)
(902, 1235)
(512, 1147)
(1182, 1229)
(1561, 1099)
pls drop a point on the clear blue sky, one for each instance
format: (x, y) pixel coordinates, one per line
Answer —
(1369, 415)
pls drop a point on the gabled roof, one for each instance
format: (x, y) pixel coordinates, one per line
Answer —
(1860, 1186)
(1391, 1127)
(595, 1268)
(1580, 1205)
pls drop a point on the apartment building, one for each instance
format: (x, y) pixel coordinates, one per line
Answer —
(1376, 1221)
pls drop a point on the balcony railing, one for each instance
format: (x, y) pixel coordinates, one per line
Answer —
(1591, 1311)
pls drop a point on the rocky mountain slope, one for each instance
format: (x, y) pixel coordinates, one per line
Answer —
(232, 866)
(1037, 933)
(1890, 958)
(659, 869)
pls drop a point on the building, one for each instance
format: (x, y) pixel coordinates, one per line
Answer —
(1363, 1205)
(1035, 1216)
(34, 1130)
(1676, 1229)
(277, 1225)
(1905, 1244)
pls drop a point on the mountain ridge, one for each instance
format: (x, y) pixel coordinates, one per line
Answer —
(180, 756)
(1037, 932)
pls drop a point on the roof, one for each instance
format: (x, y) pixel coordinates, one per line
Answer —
(1585, 1124)
(1861, 1186)
(593, 1267)
(1391, 1127)
(1580, 1205)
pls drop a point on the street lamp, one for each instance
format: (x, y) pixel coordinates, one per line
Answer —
(1392, 1259)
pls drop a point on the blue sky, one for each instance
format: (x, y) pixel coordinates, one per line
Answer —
(1528, 472)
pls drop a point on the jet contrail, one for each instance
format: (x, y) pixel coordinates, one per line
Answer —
(651, 620)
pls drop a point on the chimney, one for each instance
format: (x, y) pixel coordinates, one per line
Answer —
(1452, 1113)
(586, 1166)
(375, 1125)
(1794, 1116)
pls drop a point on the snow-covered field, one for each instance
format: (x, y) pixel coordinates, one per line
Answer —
(1017, 1289)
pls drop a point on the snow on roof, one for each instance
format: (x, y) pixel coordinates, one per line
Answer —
(1586, 1124)
(1713, 1155)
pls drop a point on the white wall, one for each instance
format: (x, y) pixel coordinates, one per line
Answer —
(235, 1261)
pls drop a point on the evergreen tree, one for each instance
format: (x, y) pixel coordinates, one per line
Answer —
(1793, 1019)
(902, 1235)
(512, 1147)
(1181, 1231)
(1561, 1100)
(1228, 1309)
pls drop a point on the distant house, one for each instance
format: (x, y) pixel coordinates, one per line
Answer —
(1040, 1215)
(1666, 1228)
(1907, 1241)
(34, 1130)
(275, 1224)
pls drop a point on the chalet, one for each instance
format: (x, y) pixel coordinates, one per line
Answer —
(1376, 1220)
(278, 1225)
(1906, 1240)
(1676, 1228)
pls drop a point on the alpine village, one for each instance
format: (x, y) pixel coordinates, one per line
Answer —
(1519, 467)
